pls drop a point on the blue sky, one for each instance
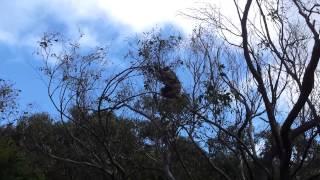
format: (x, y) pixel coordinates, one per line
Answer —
(23, 22)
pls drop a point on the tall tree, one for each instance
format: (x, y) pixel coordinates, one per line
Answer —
(277, 42)
(8, 103)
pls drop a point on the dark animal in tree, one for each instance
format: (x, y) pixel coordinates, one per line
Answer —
(172, 85)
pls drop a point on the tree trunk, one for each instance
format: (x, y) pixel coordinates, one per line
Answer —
(166, 165)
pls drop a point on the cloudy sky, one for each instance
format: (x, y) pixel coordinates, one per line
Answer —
(22, 22)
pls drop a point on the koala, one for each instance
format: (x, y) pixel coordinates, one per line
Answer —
(172, 85)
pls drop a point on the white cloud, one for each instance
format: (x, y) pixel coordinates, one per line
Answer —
(89, 39)
(18, 16)
(141, 14)
(21, 19)
(7, 37)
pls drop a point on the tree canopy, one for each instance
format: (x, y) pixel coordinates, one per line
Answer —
(238, 98)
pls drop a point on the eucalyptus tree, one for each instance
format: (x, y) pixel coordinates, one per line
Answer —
(8, 100)
(87, 95)
(270, 65)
